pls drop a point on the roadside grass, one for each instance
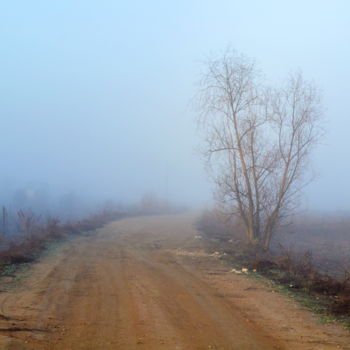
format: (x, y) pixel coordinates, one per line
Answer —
(40, 240)
(9, 270)
(16, 260)
(318, 305)
(293, 273)
(280, 281)
(16, 272)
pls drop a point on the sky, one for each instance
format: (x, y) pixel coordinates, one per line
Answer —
(95, 96)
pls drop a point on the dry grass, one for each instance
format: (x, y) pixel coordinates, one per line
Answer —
(296, 268)
(35, 236)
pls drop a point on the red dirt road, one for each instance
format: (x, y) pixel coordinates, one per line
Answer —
(145, 283)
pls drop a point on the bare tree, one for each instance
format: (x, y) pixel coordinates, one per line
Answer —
(258, 141)
(27, 221)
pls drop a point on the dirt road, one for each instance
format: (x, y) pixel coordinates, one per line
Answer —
(145, 283)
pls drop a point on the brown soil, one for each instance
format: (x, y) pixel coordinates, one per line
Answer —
(145, 283)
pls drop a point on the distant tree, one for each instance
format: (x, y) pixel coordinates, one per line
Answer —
(257, 141)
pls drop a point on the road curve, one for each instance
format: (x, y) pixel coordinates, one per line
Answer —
(145, 283)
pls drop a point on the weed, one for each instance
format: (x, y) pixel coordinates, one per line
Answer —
(9, 270)
(298, 279)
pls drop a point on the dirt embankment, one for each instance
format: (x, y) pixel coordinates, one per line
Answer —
(145, 283)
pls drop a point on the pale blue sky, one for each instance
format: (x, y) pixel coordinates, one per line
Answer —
(95, 94)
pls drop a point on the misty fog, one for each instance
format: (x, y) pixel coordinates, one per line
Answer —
(96, 96)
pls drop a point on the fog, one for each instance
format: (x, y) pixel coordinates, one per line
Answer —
(96, 95)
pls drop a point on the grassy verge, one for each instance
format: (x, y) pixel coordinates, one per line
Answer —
(324, 296)
(17, 255)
